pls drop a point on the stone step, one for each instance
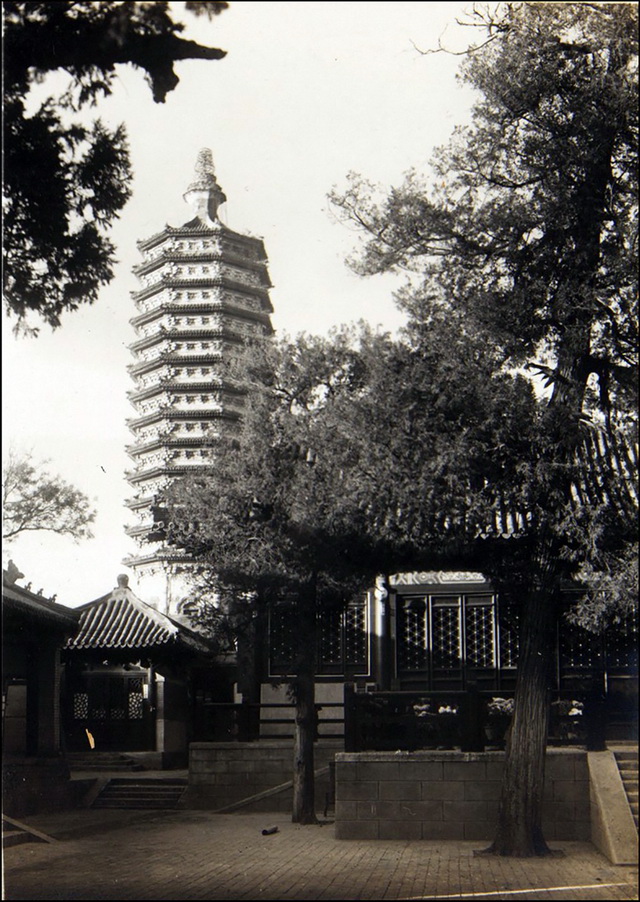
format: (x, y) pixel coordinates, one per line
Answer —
(627, 762)
(137, 799)
(100, 768)
(631, 775)
(102, 762)
(152, 793)
(127, 804)
(627, 759)
(138, 792)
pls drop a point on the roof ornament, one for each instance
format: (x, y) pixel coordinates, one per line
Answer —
(11, 574)
(204, 193)
(123, 581)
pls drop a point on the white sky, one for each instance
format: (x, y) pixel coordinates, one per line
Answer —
(307, 92)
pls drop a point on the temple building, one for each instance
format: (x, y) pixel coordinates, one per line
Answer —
(203, 289)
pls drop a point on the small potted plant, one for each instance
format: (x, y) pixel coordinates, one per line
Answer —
(426, 731)
(447, 726)
(499, 714)
(567, 720)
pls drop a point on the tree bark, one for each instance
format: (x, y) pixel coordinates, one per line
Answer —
(303, 688)
(519, 832)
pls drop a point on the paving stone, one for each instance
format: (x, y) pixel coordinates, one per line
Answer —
(198, 855)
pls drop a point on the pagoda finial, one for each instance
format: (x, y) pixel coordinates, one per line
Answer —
(204, 193)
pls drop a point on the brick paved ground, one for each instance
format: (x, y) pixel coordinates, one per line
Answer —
(199, 855)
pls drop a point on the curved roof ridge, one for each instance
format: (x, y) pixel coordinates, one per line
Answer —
(122, 620)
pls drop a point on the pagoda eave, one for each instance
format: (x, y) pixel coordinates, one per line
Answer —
(212, 282)
(167, 557)
(166, 385)
(173, 414)
(224, 255)
(147, 366)
(142, 344)
(199, 229)
(211, 307)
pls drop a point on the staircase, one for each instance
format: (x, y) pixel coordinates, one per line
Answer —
(102, 761)
(628, 766)
(141, 793)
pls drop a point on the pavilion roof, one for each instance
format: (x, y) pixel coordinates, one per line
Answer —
(121, 620)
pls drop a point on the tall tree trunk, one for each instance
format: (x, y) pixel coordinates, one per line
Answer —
(303, 690)
(519, 832)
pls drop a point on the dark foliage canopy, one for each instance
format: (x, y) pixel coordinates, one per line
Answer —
(65, 180)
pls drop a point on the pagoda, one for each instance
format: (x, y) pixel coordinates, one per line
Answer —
(204, 290)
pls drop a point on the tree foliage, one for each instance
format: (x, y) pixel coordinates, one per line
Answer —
(530, 220)
(527, 234)
(264, 527)
(34, 499)
(611, 591)
(66, 180)
(354, 450)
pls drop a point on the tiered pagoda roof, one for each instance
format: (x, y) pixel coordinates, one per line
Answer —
(205, 289)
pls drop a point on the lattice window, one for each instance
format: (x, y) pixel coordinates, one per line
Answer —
(446, 635)
(99, 713)
(330, 623)
(479, 635)
(281, 637)
(412, 634)
(136, 706)
(622, 646)
(355, 634)
(509, 637)
(80, 705)
(579, 649)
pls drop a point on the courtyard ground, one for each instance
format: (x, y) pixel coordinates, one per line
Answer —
(185, 855)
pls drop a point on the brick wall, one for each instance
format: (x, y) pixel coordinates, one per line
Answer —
(223, 773)
(450, 795)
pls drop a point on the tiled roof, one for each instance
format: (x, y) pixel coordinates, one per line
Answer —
(24, 602)
(121, 620)
(606, 476)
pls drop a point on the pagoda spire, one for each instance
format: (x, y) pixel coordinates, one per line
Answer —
(204, 193)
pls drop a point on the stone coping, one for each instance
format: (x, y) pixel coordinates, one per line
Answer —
(440, 755)
(264, 743)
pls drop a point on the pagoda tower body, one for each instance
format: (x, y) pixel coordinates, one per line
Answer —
(204, 290)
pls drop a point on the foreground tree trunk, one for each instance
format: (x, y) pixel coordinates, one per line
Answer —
(519, 832)
(303, 691)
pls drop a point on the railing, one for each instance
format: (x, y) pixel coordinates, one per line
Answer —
(471, 720)
(387, 721)
(226, 722)
(248, 722)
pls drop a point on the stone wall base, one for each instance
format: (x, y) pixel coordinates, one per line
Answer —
(450, 795)
(222, 774)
